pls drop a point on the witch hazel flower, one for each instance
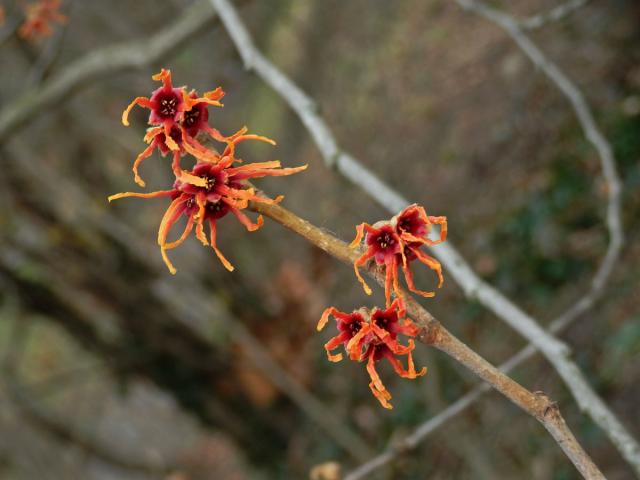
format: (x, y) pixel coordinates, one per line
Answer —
(205, 195)
(39, 17)
(395, 244)
(177, 118)
(166, 104)
(413, 226)
(372, 336)
(175, 114)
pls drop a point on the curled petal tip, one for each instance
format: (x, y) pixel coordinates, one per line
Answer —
(162, 73)
(323, 319)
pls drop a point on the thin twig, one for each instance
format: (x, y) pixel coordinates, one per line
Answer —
(554, 350)
(433, 333)
(103, 62)
(411, 441)
(554, 15)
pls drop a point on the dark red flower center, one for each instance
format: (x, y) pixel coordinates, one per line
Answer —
(354, 328)
(191, 117)
(405, 224)
(385, 241)
(216, 210)
(382, 322)
(168, 106)
(215, 207)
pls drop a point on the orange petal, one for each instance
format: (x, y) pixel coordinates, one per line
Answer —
(325, 317)
(250, 226)
(142, 101)
(358, 263)
(160, 193)
(221, 257)
(430, 262)
(165, 76)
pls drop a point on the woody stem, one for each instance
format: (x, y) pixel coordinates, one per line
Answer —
(433, 333)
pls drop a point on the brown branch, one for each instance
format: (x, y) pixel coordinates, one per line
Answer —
(556, 351)
(433, 333)
(188, 300)
(428, 427)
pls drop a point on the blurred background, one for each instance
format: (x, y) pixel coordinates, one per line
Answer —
(114, 369)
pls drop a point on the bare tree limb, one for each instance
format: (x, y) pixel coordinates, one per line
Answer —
(554, 350)
(433, 333)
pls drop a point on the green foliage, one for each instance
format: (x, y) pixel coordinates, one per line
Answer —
(625, 138)
(533, 251)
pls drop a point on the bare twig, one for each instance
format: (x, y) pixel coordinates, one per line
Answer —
(103, 62)
(433, 333)
(554, 350)
(554, 15)
(410, 442)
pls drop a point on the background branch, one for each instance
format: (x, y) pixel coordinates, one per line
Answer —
(554, 15)
(61, 429)
(102, 62)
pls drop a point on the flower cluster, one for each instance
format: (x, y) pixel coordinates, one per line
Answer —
(372, 336)
(215, 186)
(397, 243)
(39, 17)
